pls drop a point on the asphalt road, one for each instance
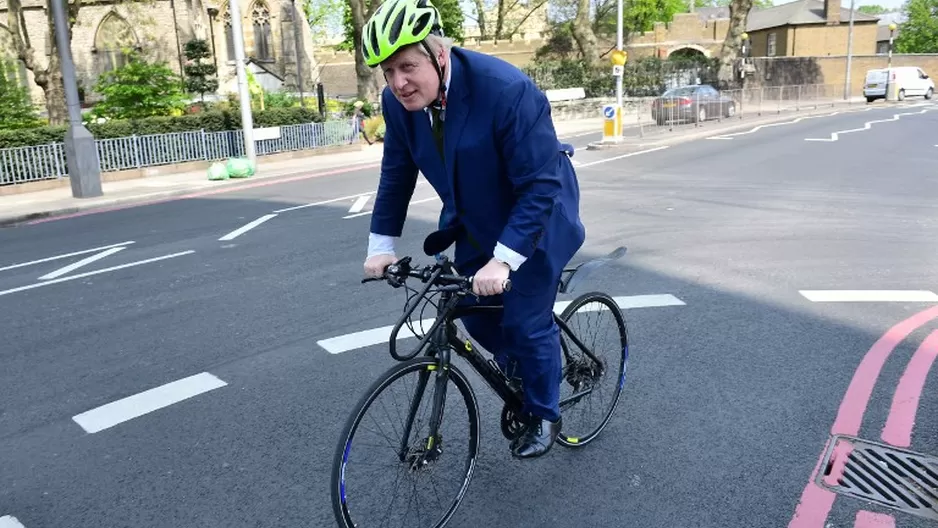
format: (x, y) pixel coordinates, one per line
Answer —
(731, 396)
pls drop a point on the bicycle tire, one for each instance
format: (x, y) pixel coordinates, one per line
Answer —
(610, 304)
(338, 491)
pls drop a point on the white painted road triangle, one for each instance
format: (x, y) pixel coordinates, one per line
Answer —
(378, 336)
(869, 295)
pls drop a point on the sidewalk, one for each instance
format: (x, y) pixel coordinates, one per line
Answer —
(29, 206)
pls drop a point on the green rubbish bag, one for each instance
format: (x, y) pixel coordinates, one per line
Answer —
(240, 168)
(217, 171)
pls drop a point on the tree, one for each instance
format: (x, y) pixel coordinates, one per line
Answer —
(872, 9)
(16, 108)
(49, 79)
(139, 89)
(729, 53)
(510, 16)
(759, 4)
(200, 71)
(919, 33)
(323, 15)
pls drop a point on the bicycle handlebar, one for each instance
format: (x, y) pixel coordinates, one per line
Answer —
(400, 271)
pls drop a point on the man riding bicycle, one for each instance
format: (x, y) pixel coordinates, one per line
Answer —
(480, 132)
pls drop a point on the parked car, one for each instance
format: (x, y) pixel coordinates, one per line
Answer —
(908, 80)
(697, 102)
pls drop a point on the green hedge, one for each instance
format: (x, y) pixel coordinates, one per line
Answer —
(212, 121)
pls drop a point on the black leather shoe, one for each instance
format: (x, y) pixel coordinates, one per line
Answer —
(537, 439)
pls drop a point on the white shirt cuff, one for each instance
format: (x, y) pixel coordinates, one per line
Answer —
(380, 245)
(508, 256)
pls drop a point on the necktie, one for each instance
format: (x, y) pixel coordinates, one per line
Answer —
(437, 129)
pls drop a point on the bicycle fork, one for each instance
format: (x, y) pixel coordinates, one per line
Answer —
(432, 445)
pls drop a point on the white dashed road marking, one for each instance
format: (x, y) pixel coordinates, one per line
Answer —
(247, 227)
(869, 295)
(629, 155)
(10, 522)
(57, 257)
(131, 407)
(96, 272)
(377, 336)
(83, 262)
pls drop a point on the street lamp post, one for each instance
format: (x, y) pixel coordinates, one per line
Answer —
(81, 155)
(849, 52)
(892, 32)
(247, 124)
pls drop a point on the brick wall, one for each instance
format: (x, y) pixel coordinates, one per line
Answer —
(830, 70)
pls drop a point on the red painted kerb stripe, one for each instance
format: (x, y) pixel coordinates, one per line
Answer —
(901, 421)
(816, 502)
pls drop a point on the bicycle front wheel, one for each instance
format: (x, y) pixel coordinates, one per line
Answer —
(594, 364)
(388, 468)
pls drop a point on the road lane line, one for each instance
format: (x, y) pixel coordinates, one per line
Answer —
(83, 262)
(866, 519)
(90, 273)
(816, 502)
(57, 257)
(114, 413)
(869, 295)
(8, 521)
(867, 126)
(905, 401)
(247, 227)
(415, 202)
(629, 155)
(377, 336)
(359, 203)
(770, 125)
(324, 202)
(334, 200)
(629, 302)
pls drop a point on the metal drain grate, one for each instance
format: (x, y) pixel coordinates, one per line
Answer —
(896, 478)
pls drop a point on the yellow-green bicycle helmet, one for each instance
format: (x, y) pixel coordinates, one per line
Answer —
(398, 23)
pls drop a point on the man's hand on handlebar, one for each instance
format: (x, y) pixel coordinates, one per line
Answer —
(491, 279)
(376, 265)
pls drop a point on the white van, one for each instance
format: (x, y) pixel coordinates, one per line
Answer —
(908, 81)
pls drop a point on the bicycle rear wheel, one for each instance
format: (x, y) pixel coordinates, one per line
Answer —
(591, 386)
(366, 487)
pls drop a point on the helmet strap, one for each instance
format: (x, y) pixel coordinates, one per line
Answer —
(440, 102)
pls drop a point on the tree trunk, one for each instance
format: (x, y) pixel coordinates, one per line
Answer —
(366, 77)
(483, 31)
(583, 33)
(49, 79)
(739, 14)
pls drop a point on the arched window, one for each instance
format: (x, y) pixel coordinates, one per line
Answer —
(229, 34)
(114, 42)
(263, 41)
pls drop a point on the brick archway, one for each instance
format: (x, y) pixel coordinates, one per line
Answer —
(688, 50)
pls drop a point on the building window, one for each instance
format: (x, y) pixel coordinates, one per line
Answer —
(229, 35)
(260, 17)
(770, 45)
(114, 43)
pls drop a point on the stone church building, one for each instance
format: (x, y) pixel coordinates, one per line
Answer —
(159, 29)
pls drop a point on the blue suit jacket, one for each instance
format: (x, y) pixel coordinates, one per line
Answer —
(502, 157)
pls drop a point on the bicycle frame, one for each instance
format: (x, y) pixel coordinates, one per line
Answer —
(444, 336)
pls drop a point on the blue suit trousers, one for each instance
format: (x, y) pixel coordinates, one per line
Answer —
(524, 333)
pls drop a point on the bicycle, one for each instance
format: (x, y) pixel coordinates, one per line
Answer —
(423, 454)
